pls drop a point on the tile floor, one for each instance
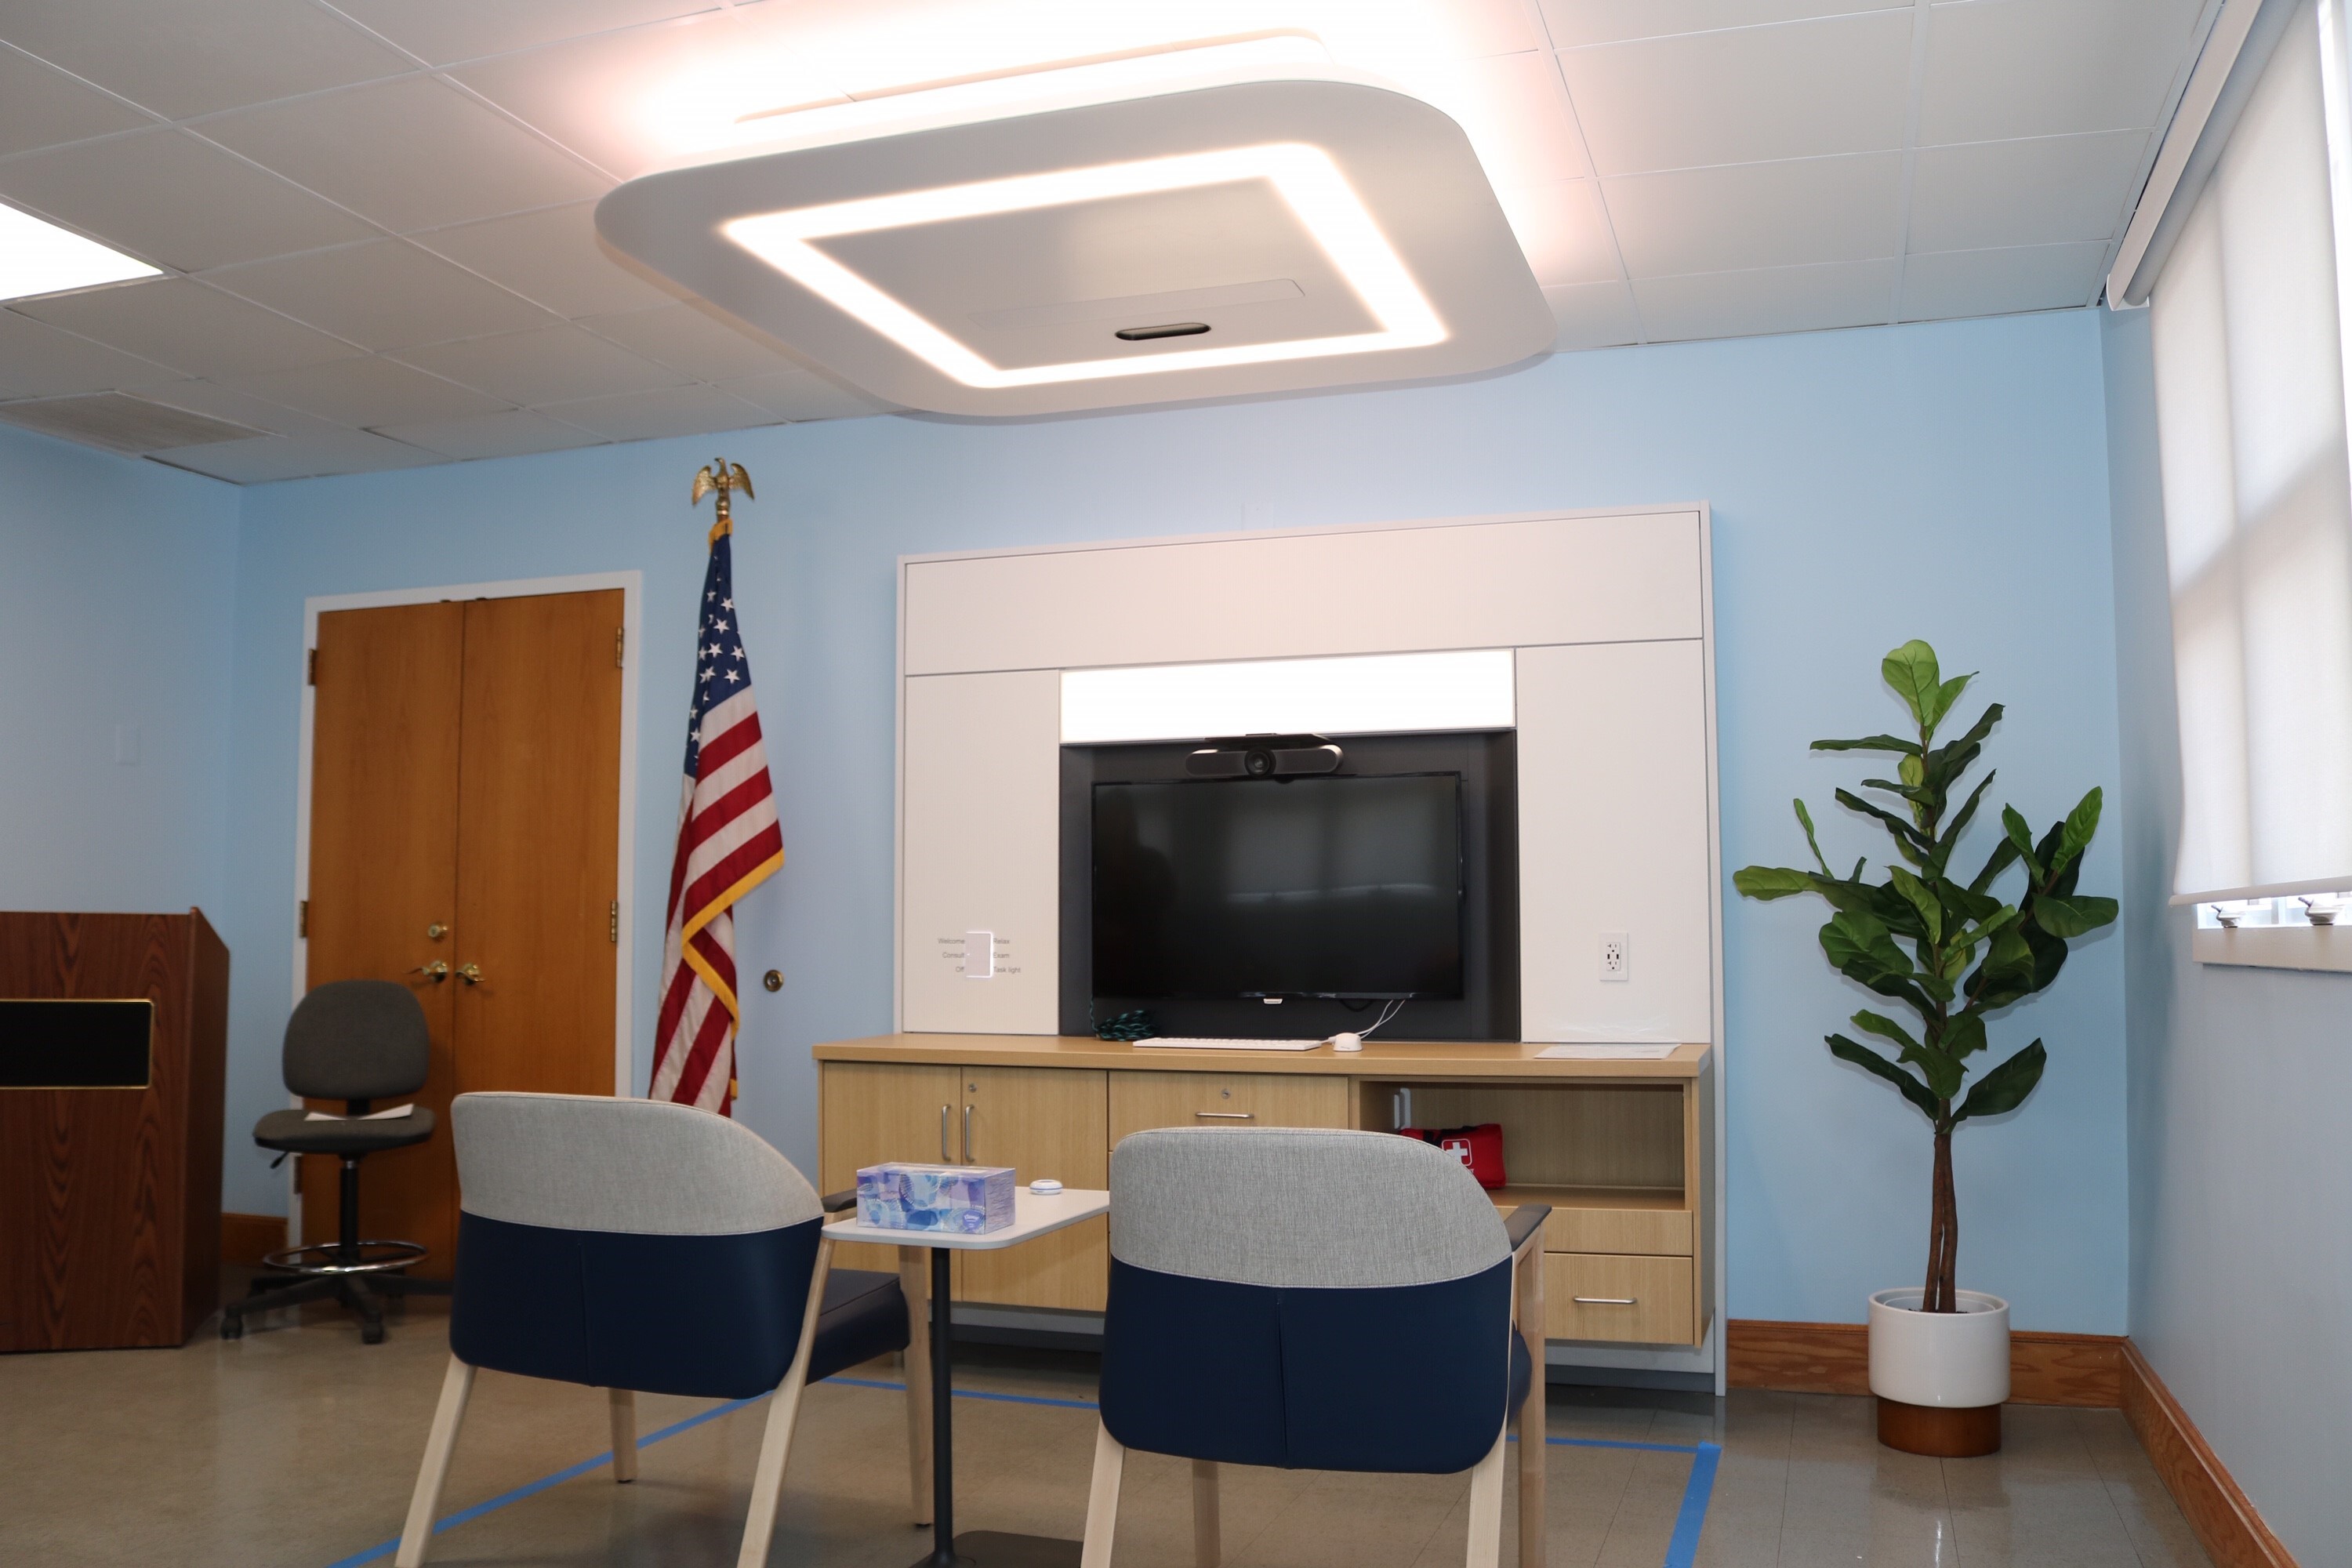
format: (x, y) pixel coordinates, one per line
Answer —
(297, 1445)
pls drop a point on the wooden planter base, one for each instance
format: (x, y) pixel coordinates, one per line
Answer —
(1939, 1430)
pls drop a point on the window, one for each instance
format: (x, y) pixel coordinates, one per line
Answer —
(2250, 372)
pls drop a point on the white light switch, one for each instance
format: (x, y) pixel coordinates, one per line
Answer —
(979, 954)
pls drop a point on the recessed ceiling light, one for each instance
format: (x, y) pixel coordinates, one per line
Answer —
(959, 250)
(38, 257)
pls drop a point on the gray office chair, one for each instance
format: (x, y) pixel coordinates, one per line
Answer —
(358, 1041)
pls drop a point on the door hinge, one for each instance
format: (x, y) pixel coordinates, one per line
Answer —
(613, 931)
(303, 918)
(620, 647)
(311, 669)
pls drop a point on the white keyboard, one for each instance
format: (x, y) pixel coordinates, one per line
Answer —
(1175, 1042)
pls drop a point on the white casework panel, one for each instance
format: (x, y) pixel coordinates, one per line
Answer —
(1614, 843)
(1628, 578)
(981, 851)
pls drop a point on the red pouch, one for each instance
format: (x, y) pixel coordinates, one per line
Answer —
(1479, 1147)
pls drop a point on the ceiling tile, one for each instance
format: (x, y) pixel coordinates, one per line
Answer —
(493, 436)
(223, 403)
(180, 59)
(1592, 315)
(678, 411)
(1756, 214)
(412, 154)
(1996, 282)
(40, 107)
(804, 394)
(386, 295)
(1798, 90)
(1770, 300)
(298, 457)
(445, 31)
(1563, 230)
(1575, 22)
(2035, 192)
(2000, 68)
(553, 257)
(38, 361)
(1514, 111)
(182, 323)
(684, 338)
(628, 100)
(166, 197)
(551, 365)
(369, 392)
(1399, 40)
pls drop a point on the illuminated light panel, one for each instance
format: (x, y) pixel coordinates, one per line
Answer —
(1318, 195)
(1473, 688)
(38, 257)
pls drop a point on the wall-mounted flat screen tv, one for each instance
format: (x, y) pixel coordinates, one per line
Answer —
(1337, 886)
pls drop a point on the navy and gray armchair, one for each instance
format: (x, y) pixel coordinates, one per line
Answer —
(1318, 1300)
(636, 1245)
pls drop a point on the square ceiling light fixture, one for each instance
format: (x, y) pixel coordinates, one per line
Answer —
(36, 257)
(1104, 236)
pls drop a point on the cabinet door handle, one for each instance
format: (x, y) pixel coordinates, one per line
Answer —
(944, 1110)
(967, 1135)
(1606, 1300)
(1227, 1115)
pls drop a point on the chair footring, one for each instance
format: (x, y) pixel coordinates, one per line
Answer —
(352, 1257)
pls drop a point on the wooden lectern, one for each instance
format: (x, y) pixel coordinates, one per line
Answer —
(112, 1034)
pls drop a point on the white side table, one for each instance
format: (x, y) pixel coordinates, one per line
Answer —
(1034, 1214)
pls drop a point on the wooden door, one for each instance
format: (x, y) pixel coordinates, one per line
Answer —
(465, 775)
(383, 873)
(873, 1111)
(538, 843)
(1042, 1121)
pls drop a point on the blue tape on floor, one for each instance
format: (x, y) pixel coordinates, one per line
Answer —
(1681, 1550)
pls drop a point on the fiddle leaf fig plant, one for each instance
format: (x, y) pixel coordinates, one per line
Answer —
(1952, 953)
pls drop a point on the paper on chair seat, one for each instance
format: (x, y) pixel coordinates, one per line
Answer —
(1606, 1053)
(397, 1110)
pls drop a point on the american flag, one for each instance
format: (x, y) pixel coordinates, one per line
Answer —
(728, 843)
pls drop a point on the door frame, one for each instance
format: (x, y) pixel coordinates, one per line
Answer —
(631, 587)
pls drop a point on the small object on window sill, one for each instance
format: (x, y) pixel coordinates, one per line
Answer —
(2228, 917)
(2317, 915)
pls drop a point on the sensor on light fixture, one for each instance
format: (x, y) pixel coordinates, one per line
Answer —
(38, 257)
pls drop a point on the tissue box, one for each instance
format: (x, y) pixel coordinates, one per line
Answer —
(969, 1199)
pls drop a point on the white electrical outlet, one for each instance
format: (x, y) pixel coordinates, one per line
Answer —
(1616, 963)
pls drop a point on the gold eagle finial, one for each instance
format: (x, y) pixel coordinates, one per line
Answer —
(722, 478)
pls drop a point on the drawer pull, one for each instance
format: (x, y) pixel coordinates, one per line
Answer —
(1227, 1115)
(1606, 1300)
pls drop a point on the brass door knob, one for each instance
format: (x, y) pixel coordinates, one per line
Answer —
(471, 974)
(437, 970)
(436, 931)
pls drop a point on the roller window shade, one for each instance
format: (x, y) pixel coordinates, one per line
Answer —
(2249, 373)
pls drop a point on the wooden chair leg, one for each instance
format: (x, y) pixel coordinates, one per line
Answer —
(422, 1504)
(1486, 1509)
(625, 1434)
(1208, 1535)
(1102, 1500)
(1533, 1428)
(783, 1415)
(914, 1283)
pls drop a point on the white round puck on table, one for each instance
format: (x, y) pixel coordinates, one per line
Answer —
(1045, 1186)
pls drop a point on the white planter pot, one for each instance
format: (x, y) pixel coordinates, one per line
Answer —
(1957, 1361)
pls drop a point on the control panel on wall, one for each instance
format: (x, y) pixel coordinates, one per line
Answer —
(980, 955)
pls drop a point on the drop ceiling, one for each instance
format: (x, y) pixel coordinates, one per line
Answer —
(375, 214)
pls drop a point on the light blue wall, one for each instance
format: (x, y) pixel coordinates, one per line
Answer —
(2240, 1164)
(117, 598)
(1947, 481)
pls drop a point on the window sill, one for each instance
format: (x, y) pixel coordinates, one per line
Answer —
(2277, 947)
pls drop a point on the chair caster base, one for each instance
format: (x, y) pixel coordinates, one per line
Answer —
(1000, 1548)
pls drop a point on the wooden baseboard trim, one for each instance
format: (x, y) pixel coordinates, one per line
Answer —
(246, 1237)
(2225, 1522)
(1834, 1358)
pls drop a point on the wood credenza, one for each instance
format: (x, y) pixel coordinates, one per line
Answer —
(1622, 1149)
(109, 1196)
